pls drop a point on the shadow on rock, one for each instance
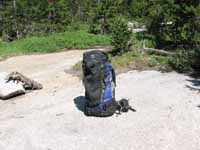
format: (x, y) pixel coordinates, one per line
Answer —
(195, 82)
(195, 85)
(80, 103)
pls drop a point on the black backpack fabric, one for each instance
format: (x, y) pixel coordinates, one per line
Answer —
(99, 82)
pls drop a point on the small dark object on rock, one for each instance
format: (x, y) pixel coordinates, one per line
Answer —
(123, 106)
(60, 114)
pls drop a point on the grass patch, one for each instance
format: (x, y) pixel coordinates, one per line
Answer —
(125, 59)
(52, 43)
(155, 60)
(130, 61)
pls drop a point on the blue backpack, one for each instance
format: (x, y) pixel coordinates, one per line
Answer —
(99, 82)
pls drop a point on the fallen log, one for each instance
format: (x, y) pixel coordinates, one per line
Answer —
(157, 51)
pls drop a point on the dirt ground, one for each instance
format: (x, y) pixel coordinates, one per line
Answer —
(167, 104)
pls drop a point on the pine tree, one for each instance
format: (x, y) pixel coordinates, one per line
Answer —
(175, 23)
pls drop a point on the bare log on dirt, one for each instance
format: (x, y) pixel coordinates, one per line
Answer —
(157, 51)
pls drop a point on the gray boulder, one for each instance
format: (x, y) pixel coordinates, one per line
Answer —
(10, 89)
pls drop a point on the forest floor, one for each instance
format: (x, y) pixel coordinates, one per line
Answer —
(167, 104)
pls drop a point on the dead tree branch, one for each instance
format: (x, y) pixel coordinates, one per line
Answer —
(157, 51)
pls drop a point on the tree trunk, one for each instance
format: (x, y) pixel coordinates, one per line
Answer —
(1, 18)
(15, 18)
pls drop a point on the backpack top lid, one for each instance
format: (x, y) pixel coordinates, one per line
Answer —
(95, 55)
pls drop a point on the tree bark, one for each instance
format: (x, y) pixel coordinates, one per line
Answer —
(15, 15)
(1, 18)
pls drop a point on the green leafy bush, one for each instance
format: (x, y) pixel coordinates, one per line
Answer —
(196, 64)
(183, 61)
(120, 36)
(94, 28)
(155, 60)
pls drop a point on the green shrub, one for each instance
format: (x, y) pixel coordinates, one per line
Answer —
(156, 60)
(77, 26)
(183, 61)
(94, 28)
(196, 64)
(120, 36)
